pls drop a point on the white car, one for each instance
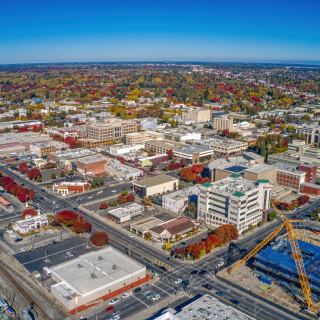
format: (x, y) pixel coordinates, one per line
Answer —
(126, 295)
(13, 235)
(178, 281)
(130, 235)
(113, 301)
(220, 263)
(114, 191)
(23, 249)
(99, 192)
(116, 317)
(156, 297)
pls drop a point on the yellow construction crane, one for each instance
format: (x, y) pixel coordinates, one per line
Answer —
(296, 255)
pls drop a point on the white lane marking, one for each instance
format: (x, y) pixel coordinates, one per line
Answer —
(140, 301)
(161, 289)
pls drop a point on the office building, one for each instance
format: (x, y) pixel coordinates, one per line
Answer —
(222, 123)
(193, 154)
(289, 176)
(162, 146)
(235, 201)
(196, 115)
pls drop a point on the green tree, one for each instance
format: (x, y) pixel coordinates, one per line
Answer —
(192, 209)
(124, 193)
(62, 174)
(71, 172)
(272, 215)
(12, 165)
(53, 176)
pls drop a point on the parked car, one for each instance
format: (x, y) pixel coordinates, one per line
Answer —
(163, 268)
(115, 311)
(185, 282)
(149, 295)
(13, 235)
(126, 295)
(113, 301)
(236, 302)
(145, 286)
(220, 263)
(54, 242)
(156, 297)
(194, 272)
(69, 254)
(18, 240)
(130, 235)
(23, 249)
(149, 269)
(177, 281)
(116, 317)
(202, 272)
(137, 290)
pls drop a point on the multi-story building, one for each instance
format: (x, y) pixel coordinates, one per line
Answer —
(197, 115)
(141, 137)
(298, 146)
(67, 187)
(109, 131)
(223, 123)
(194, 154)
(224, 147)
(43, 149)
(162, 146)
(310, 170)
(66, 158)
(289, 176)
(235, 201)
(312, 133)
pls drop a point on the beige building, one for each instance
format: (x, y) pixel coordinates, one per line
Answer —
(225, 146)
(155, 185)
(141, 137)
(261, 172)
(197, 115)
(223, 123)
(110, 130)
(42, 149)
(162, 146)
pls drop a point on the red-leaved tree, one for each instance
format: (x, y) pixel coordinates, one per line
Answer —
(34, 173)
(23, 168)
(130, 197)
(29, 212)
(103, 205)
(99, 239)
(82, 226)
(67, 217)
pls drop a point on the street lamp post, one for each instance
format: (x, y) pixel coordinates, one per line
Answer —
(76, 305)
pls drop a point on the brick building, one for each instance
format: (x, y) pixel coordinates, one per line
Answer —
(91, 166)
(310, 188)
(311, 172)
(289, 176)
(67, 187)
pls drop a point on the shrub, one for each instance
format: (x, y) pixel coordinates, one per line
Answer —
(113, 203)
(99, 239)
(103, 205)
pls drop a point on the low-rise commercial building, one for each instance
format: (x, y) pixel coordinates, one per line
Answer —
(162, 146)
(99, 274)
(67, 157)
(155, 185)
(141, 137)
(194, 154)
(67, 187)
(149, 161)
(181, 135)
(124, 214)
(178, 201)
(261, 172)
(235, 201)
(120, 150)
(43, 149)
(119, 170)
(31, 223)
(167, 231)
(91, 165)
(6, 152)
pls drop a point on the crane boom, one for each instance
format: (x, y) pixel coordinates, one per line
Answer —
(296, 253)
(257, 248)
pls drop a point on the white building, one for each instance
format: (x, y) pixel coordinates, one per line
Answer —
(31, 223)
(148, 123)
(194, 154)
(178, 201)
(224, 146)
(235, 201)
(223, 123)
(116, 168)
(126, 213)
(123, 149)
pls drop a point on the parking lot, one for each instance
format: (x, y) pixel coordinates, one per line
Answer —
(34, 260)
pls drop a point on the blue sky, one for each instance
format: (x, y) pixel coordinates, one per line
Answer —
(198, 30)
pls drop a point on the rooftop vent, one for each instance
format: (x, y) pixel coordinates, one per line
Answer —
(93, 275)
(80, 265)
(100, 258)
(114, 267)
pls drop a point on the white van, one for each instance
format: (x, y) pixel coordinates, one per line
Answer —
(46, 270)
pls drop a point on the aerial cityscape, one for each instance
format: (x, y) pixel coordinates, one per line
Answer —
(160, 160)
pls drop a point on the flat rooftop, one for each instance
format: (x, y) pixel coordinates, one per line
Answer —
(228, 143)
(260, 168)
(76, 153)
(96, 269)
(208, 307)
(287, 167)
(181, 194)
(154, 181)
(189, 149)
(232, 185)
(91, 160)
(166, 144)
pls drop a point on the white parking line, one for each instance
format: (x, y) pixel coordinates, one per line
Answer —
(140, 301)
(161, 289)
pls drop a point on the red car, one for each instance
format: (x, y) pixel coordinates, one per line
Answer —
(316, 232)
(80, 211)
(110, 308)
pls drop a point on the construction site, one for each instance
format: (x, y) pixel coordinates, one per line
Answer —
(284, 269)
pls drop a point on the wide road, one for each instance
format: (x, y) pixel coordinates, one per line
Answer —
(146, 254)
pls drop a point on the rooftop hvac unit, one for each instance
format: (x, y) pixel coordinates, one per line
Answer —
(114, 267)
(100, 258)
